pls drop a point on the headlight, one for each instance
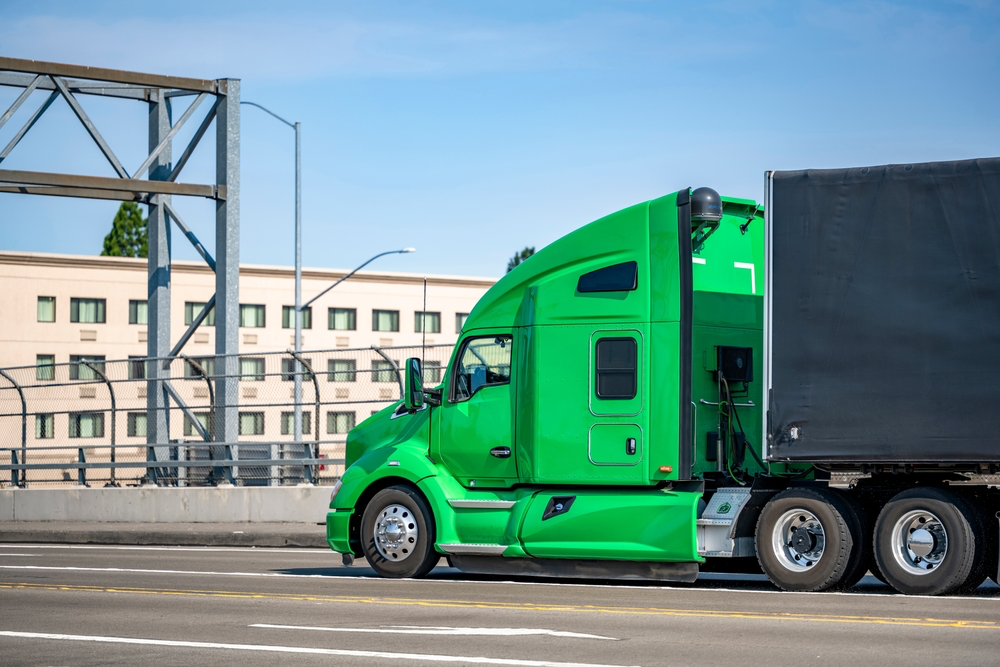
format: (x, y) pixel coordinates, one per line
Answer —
(336, 488)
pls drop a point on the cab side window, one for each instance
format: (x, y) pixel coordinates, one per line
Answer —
(483, 362)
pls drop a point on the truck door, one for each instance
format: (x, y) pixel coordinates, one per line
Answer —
(473, 429)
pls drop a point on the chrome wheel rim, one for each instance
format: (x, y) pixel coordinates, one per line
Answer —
(919, 542)
(395, 533)
(798, 540)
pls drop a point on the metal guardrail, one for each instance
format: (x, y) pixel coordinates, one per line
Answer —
(85, 422)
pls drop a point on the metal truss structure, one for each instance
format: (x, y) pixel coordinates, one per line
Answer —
(160, 184)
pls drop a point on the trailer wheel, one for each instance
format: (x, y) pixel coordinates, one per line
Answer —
(930, 542)
(397, 533)
(811, 540)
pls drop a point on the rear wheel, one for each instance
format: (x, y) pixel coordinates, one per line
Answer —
(930, 542)
(397, 533)
(811, 540)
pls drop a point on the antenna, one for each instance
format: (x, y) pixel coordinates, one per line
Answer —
(423, 332)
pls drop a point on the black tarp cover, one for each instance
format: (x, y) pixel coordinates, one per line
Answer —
(885, 327)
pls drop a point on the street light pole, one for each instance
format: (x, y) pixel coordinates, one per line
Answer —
(297, 126)
(381, 254)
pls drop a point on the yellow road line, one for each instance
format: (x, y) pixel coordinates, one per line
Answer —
(527, 606)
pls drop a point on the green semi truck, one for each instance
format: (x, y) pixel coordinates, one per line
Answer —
(699, 383)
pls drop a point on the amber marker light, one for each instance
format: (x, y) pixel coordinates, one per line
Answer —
(666, 468)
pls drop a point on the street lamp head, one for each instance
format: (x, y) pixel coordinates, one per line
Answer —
(408, 250)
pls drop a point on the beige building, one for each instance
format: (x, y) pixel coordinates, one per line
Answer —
(59, 306)
(58, 309)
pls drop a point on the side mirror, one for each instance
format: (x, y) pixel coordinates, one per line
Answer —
(413, 386)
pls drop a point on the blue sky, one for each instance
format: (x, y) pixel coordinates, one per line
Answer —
(472, 129)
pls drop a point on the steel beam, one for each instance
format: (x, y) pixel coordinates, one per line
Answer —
(30, 88)
(74, 104)
(28, 125)
(227, 265)
(153, 187)
(170, 135)
(158, 291)
(112, 75)
(199, 133)
(78, 193)
(119, 90)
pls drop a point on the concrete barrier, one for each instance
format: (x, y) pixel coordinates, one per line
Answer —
(294, 504)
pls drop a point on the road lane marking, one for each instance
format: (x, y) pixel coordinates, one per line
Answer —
(116, 547)
(927, 622)
(367, 580)
(20, 555)
(432, 630)
(478, 660)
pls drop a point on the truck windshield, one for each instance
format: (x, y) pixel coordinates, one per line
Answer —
(483, 362)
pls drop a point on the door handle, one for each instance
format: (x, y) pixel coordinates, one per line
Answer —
(630, 446)
(500, 452)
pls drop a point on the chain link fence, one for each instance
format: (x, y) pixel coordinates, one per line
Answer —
(87, 422)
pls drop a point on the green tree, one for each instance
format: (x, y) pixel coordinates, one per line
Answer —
(520, 257)
(129, 233)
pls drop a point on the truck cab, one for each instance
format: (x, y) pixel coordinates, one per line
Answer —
(578, 421)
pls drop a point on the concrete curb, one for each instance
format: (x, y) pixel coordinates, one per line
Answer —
(200, 535)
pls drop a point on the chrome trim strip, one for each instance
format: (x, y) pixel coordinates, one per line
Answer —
(482, 504)
(474, 549)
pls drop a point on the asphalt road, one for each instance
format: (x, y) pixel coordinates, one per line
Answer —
(93, 605)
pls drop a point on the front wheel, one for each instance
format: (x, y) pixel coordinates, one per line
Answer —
(811, 540)
(397, 533)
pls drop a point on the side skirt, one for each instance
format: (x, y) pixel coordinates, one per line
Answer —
(576, 569)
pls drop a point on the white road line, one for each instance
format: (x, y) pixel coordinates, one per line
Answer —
(297, 649)
(367, 581)
(432, 630)
(285, 550)
(21, 555)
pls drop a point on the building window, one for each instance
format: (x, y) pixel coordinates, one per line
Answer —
(45, 426)
(136, 425)
(191, 310)
(86, 424)
(205, 419)
(424, 322)
(288, 317)
(341, 370)
(46, 309)
(460, 321)
(385, 320)
(80, 371)
(136, 368)
(251, 316)
(339, 422)
(343, 319)
(87, 311)
(45, 367)
(432, 373)
(382, 371)
(251, 423)
(207, 364)
(288, 370)
(288, 423)
(252, 368)
(138, 312)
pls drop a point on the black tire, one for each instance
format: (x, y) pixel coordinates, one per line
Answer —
(405, 511)
(961, 565)
(842, 559)
(863, 523)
